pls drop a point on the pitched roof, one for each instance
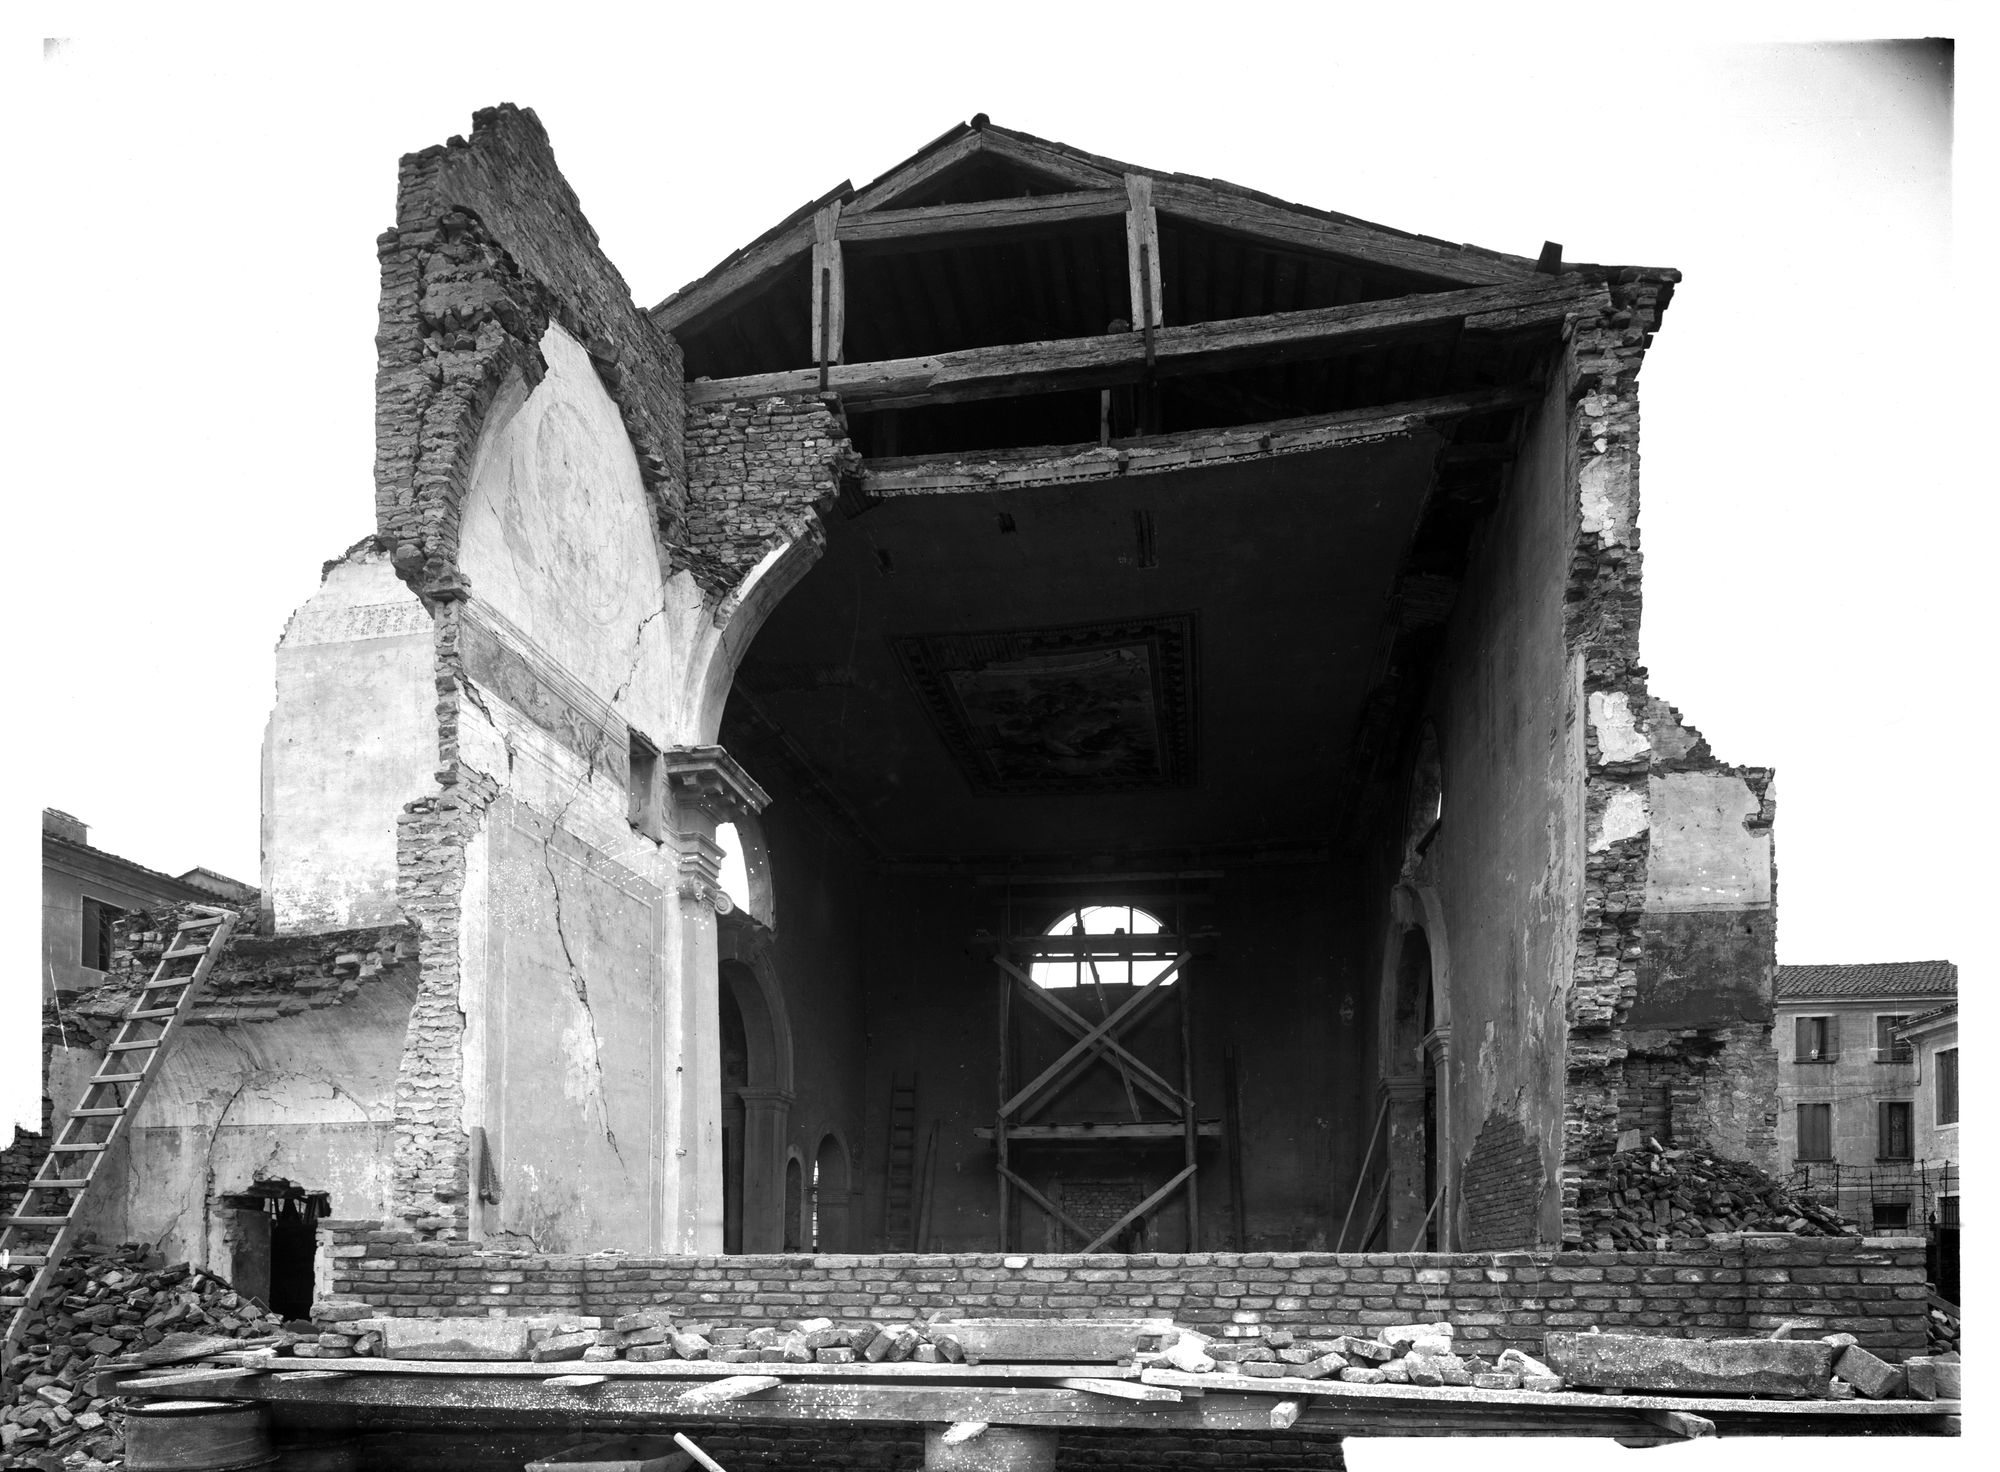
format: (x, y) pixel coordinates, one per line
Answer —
(1916, 1022)
(1870, 979)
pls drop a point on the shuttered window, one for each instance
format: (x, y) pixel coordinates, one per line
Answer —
(1888, 1047)
(1947, 1086)
(1893, 1127)
(1817, 1040)
(1815, 1132)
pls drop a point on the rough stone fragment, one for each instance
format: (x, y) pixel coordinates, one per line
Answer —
(689, 1346)
(560, 1347)
(1296, 1354)
(925, 1354)
(1948, 1382)
(645, 1318)
(1267, 1369)
(1187, 1355)
(950, 1348)
(453, 1339)
(599, 1354)
(646, 1354)
(1523, 1364)
(1869, 1374)
(1395, 1372)
(1374, 1351)
(1920, 1374)
(1497, 1380)
(1402, 1336)
(838, 1354)
(1279, 1338)
(1362, 1375)
(651, 1334)
(1697, 1366)
(1542, 1382)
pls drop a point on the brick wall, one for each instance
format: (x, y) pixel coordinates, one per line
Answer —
(1872, 1288)
(1502, 1186)
(755, 469)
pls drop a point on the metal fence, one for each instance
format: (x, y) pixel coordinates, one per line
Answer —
(1920, 1198)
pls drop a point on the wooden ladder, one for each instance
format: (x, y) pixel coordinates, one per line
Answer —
(899, 1203)
(38, 1233)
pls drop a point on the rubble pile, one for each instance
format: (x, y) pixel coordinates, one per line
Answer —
(1659, 1193)
(1400, 1354)
(121, 1305)
(1943, 1331)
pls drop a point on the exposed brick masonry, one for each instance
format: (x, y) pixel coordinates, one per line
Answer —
(1502, 1185)
(1871, 1288)
(753, 471)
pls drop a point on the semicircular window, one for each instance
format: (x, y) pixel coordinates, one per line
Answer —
(1123, 960)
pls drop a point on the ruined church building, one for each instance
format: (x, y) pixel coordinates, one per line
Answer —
(1167, 659)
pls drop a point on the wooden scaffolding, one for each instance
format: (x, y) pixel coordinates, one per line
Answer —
(1159, 1099)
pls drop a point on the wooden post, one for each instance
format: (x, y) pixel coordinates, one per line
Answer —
(829, 309)
(1232, 1110)
(1190, 1122)
(999, 1115)
(1142, 252)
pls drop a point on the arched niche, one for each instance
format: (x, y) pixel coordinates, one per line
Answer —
(795, 1223)
(756, 1111)
(832, 1195)
(721, 637)
(746, 869)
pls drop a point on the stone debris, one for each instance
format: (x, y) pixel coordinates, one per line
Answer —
(1653, 1193)
(125, 1305)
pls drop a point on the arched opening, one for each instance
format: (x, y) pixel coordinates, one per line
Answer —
(756, 1105)
(735, 1078)
(272, 1232)
(795, 1202)
(746, 870)
(830, 1196)
(1104, 970)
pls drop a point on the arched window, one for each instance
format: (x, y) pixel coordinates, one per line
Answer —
(1104, 970)
(735, 873)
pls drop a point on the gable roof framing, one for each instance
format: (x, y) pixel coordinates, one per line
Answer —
(1091, 187)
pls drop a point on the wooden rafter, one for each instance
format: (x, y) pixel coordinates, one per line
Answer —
(1096, 362)
(981, 222)
(695, 306)
(1055, 166)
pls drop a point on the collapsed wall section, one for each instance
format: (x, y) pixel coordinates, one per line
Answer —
(284, 1067)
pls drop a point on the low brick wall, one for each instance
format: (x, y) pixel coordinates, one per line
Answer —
(1873, 1288)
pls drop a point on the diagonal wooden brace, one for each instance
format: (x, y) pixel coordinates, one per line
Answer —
(1142, 1208)
(1096, 1040)
(1077, 1026)
(1046, 1205)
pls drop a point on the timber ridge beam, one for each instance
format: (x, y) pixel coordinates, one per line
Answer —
(1119, 358)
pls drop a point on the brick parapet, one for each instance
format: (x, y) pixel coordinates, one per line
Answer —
(1873, 1288)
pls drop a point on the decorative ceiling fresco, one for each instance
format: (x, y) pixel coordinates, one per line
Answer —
(1097, 707)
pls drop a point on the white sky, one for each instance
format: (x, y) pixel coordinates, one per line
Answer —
(197, 203)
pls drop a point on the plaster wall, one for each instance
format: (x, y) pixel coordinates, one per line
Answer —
(352, 737)
(308, 1098)
(1853, 1082)
(64, 889)
(1935, 1138)
(1505, 869)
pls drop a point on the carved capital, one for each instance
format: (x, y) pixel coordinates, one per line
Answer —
(773, 1100)
(1406, 1090)
(708, 778)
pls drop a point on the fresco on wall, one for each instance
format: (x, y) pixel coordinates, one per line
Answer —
(1078, 708)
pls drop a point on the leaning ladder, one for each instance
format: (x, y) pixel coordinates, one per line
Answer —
(36, 1235)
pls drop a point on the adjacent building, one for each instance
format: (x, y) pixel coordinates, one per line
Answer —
(1868, 1078)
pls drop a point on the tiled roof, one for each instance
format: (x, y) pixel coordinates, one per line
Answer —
(1870, 979)
(1931, 1016)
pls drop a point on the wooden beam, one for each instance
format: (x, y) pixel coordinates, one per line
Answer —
(1349, 240)
(1114, 947)
(1142, 252)
(960, 1432)
(829, 295)
(980, 222)
(1094, 362)
(1159, 1130)
(1057, 168)
(1285, 1415)
(1044, 465)
(729, 1388)
(1123, 1389)
(1038, 1199)
(1095, 1040)
(696, 304)
(1076, 1026)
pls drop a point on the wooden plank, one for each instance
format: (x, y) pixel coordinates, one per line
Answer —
(1008, 1177)
(1094, 1042)
(573, 1382)
(960, 1432)
(1055, 167)
(697, 1453)
(1545, 1399)
(1086, 1046)
(1350, 240)
(1076, 1025)
(1123, 1389)
(981, 222)
(917, 172)
(1285, 1414)
(1209, 1129)
(1115, 358)
(179, 1379)
(1103, 947)
(696, 304)
(681, 1370)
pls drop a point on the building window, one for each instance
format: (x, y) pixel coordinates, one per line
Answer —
(1888, 1047)
(1885, 1214)
(1114, 965)
(1947, 1211)
(1817, 1040)
(1947, 1086)
(98, 921)
(1815, 1132)
(1893, 1141)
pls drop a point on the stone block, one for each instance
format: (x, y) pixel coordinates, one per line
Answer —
(1395, 1372)
(1362, 1375)
(562, 1347)
(1920, 1374)
(1870, 1375)
(454, 1339)
(647, 1354)
(1948, 1382)
(1497, 1380)
(1371, 1351)
(838, 1354)
(1691, 1366)
(1187, 1355)
(689, 1346)
(1402, 1336)
(1267, 1370)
